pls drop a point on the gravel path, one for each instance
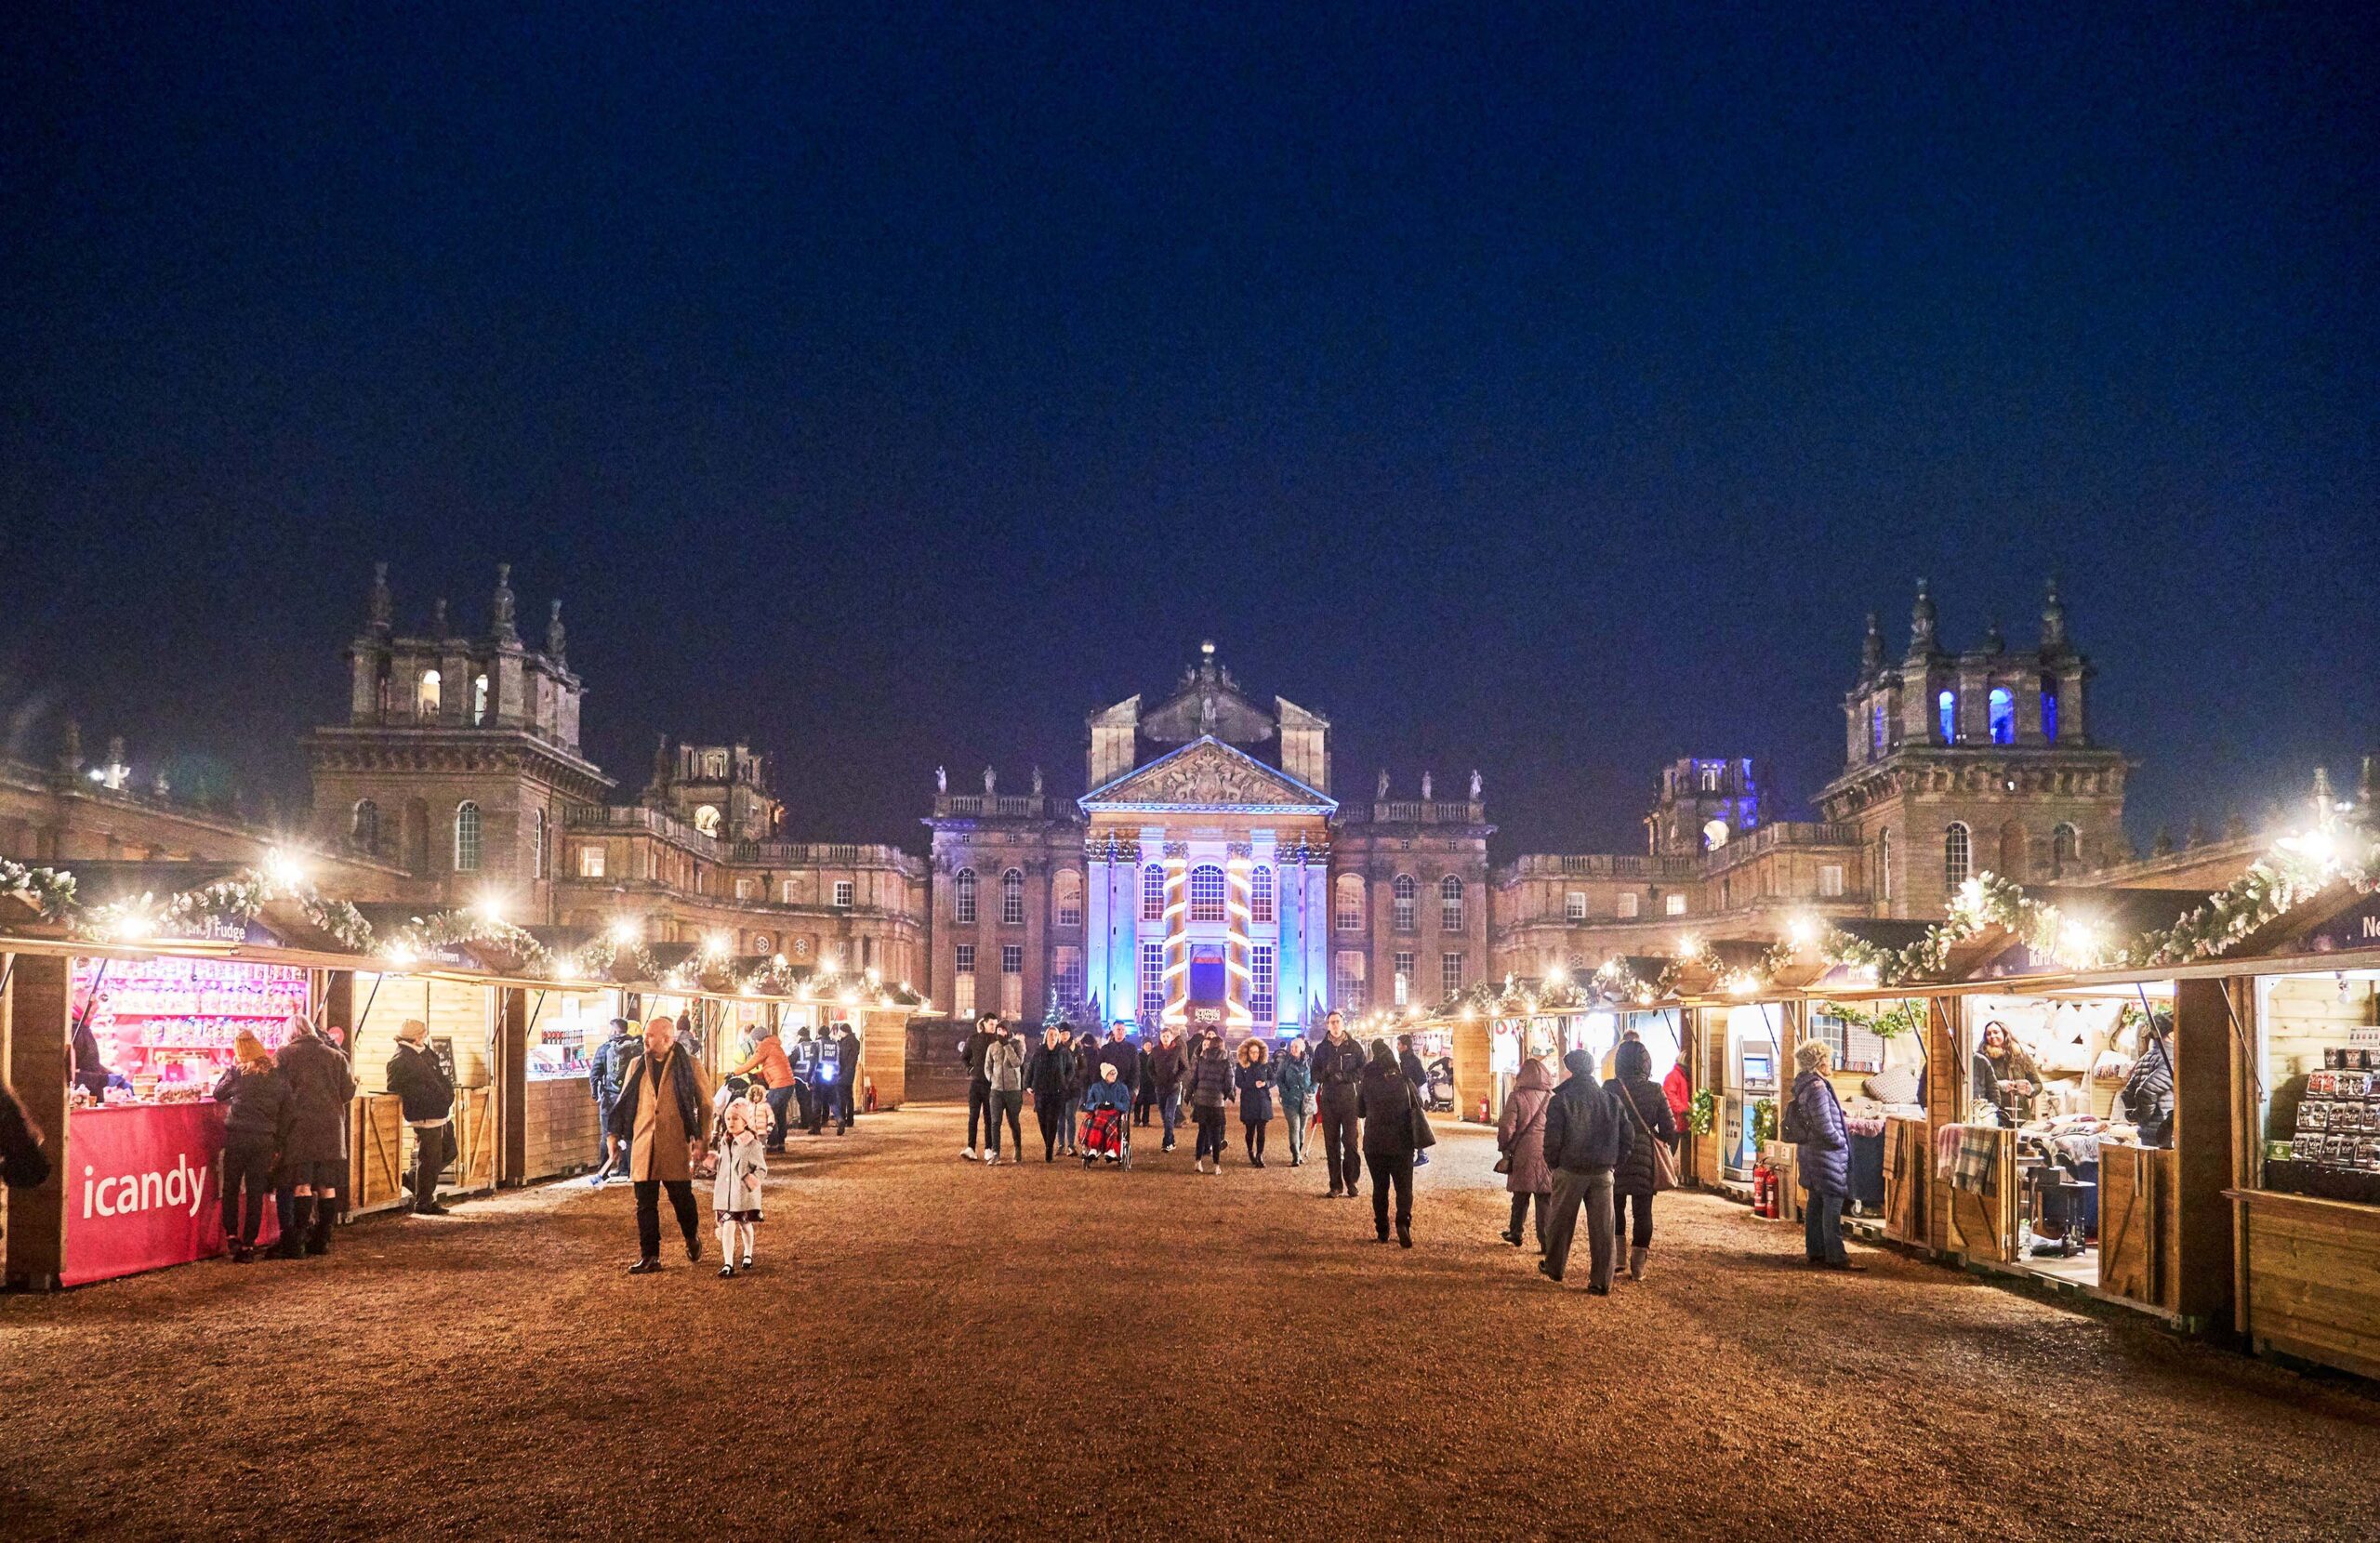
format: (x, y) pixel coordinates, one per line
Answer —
(934, 1349)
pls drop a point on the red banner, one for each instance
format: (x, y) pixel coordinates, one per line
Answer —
(142, 1191)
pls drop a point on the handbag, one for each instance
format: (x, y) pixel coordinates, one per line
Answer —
(1664, 1160)
(1423, 1136)
(1504, 1161)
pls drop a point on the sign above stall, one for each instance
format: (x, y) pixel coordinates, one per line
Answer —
(2357, 927)
(220, 928)
(2018, 959)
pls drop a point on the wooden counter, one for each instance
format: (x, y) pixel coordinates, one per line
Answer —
(2312, 1277)
(2139, 1237)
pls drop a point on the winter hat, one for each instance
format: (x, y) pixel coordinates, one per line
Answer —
(1579, 1063)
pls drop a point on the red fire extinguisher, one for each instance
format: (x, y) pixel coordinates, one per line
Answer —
(1764, 1190)
(1482, 1111)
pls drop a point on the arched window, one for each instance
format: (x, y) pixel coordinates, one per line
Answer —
(962, 896)
(1946, 709)
(1714, 834)
(1401, 895)
(364, 827)
(1260, 894)
(1349, 894)
(2049, 708)
(1012, 898)
(1884, 863)
(2065, 851)
(1958, 855)
(1450, 904)
(2004, 715)
(706, 819)
(426, 694)
(1153, 894)
(479, 699)
(1068, 887)
(1206, 893)
(466, 838)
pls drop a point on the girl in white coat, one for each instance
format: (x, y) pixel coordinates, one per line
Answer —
(735, 1193)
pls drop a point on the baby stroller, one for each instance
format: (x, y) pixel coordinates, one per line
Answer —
(1105, 1134)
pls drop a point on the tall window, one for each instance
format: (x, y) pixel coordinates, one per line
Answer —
(1958, 856)
(963, 980)
(1451, 904)
(1069, 898)
(1066, 976)
(1206, 893)
(1349, 994)
(845, 892)
(1674, 903)
(962, 897)
(1011, 980)
(2065, 851)
(479, 699)
(1260, 978)
(466, 838)
(1628, 903)
(1574, 906)
(1451, 974)
(1830, 880)
(785, 892)
(1152, 893)
(1152, 979)
(2003, 716)
(1401, 983)
(1878, 735)
(426, 695)
(1945, 709)
(1884, 863)
(538, 855)
(591, 861)
(1260, 894)
(2049, 707)
(1350, 896)
(1012, 898)
(1401, 895)
(364, 826)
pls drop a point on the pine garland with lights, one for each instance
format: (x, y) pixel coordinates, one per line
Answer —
(47, 891)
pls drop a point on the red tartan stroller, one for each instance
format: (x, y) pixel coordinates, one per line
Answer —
(1105, 1134)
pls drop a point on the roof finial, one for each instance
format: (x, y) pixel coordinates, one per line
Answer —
(500, 621)
(380, 610)
(2052, 619)
(1872, 648)
(1921, 623)
(557, 637)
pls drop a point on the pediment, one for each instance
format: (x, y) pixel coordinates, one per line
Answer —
(1207, 775)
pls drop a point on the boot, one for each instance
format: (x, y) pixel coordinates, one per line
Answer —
(1405, 1234)
(318, 1240)
(1636, 1263)
(294, 1222)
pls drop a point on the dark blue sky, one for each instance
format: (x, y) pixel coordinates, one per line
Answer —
(891, 387)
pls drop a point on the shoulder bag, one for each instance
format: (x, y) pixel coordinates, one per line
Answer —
(1504, 1159)
(1423, 1136)
(1664, 1161)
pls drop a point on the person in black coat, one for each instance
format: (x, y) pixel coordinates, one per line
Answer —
(253, 1129)
(979, 1088)
(1419, 1075)
(1391, 1111)
(1050, 1072)
(427, 1094)
(606, 1065)
(1586, 1137)
(23, 1164)
(313, 1159)
(1254, 1080)
(847, 1050)
(1646, 1109)
(1167, 1062)
(2149, 1091)
(1338, 1066)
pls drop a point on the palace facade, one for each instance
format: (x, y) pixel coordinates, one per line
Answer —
(1213, 870)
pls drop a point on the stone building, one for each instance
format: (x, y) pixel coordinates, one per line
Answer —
(1195, 881)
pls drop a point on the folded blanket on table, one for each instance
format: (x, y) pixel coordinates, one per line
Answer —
(1976, 1167)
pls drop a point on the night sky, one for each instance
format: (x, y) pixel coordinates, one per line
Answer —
(892, 387)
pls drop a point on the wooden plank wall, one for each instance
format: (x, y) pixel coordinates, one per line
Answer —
(558, 1130)
(2314, 1280)
(883, 1055)
(39, 1004)
(2209, 1063)
(1473, 1056)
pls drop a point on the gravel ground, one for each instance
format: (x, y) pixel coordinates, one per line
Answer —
(934, 1349)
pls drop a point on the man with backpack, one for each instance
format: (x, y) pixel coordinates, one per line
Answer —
(1586, 1135)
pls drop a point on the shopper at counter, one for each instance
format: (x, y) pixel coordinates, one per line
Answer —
(775, 1069)
(605, 1069)
(662, 1114)
(313, 1160)
(254, 1130)
(1821, 1155)
(23, 1164)
(90, 1073)
(427, 1097)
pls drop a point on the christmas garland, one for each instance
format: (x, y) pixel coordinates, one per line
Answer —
(46, 889)
(1904, 1016)
(1702, 1112)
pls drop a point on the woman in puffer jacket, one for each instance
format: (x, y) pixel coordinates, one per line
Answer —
(1520, 1135)
(1822, 1156)
(1647, 1109)
(1209, 1094)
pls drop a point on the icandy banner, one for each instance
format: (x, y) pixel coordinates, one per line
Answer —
(141, 1188)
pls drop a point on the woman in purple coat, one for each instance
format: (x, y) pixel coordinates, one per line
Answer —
(1821, 1156)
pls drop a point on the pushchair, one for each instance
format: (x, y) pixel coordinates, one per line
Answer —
(1106, 1133)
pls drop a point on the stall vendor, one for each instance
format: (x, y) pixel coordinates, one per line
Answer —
(2149, 1092)
(2005, 1076)
(90, 1073)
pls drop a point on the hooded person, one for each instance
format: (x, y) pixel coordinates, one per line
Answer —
(427, 1095)
(1585, 1138)
(1210, 1088)
(1395, 1130)
(1636, 1176)
(1520, 1136)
